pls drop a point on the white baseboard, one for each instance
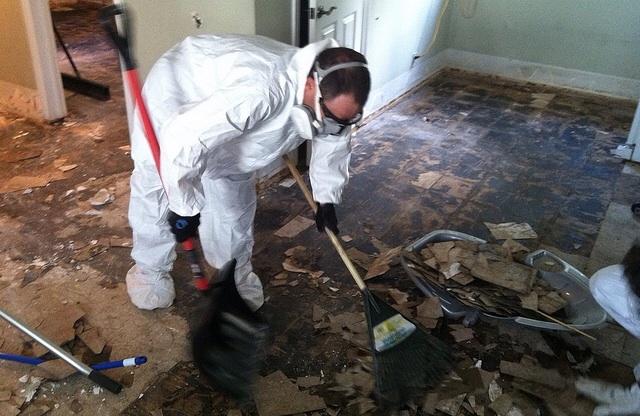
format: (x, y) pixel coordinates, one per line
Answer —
(20, 100)
(393, 89)
(543, 74)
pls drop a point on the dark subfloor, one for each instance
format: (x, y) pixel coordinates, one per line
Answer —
(498, 158)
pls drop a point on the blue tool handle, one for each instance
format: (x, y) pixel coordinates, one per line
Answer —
(105, 365)
(21, 359)
(127, 362)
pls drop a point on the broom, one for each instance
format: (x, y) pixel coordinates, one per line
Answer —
(406, 359)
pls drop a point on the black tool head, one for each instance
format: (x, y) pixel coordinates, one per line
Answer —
(228, 346)
(406, 370)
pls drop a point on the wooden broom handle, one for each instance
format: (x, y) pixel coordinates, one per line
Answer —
(334, 239)
(572, 328)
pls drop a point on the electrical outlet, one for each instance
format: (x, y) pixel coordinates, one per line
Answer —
(197, 20)
(414, 59)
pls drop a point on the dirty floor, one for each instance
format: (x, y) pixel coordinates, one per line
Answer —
(460, 150)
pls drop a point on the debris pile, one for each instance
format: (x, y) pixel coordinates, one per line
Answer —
(489, 277)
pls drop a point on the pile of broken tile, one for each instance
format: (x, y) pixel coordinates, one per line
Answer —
(496, 373)
(490, 277)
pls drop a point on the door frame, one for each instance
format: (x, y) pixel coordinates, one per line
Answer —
(634, 135)
(363, 35)
(42, 45)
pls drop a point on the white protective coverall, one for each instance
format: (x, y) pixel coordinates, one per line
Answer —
(610, 288)
(221, 107)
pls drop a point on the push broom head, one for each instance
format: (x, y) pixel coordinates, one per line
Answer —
(228, 346)
(407, 361)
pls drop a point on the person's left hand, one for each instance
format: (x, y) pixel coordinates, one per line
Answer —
(326, 217)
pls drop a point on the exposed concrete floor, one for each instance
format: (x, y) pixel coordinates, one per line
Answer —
(500, 156)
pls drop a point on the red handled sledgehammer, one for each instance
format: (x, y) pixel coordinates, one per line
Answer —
(131, 76)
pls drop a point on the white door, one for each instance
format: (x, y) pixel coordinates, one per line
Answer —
(338, 19)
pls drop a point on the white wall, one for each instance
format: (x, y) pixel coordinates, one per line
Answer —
(395, 32)
(587, 44)
(589, 35)
(160, 24)
(273, 19)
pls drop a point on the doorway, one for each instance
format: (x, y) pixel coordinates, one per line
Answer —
(84, 52)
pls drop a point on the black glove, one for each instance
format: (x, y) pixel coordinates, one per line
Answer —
(326, 217)
(184, 228)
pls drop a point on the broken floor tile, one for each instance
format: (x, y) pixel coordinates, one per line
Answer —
(295, 251)
(547, 377)
(101, 198)
(308, 381)
(510, 275)
(287, 183)
(450, 271)
(381, 264)
(502, 404)
(399, 297)
(281, 276)
(356, 378)
(529, 301)
(66, 168)
(514, 247)
(430, 308)
(451, 406)
(8, 409)
(462, 335)
(15, 155)
(427, 180)
(551, 303)
(511, 230)
(358, 257)
(126, 242)
(494, 391)
(276, 395)
(55, 369)
(92, 339)
(19, 183)
(294, 227)
(346, 238)
(289, 266)
(427, 323)
(441, 251)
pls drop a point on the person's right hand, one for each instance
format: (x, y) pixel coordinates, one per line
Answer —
(183, 228)
(326, 218)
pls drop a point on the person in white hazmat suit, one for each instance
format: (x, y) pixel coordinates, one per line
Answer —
(224, 106)
(617, 289)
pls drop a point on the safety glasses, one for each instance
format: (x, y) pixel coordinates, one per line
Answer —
(329, 123)
(336, 122)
